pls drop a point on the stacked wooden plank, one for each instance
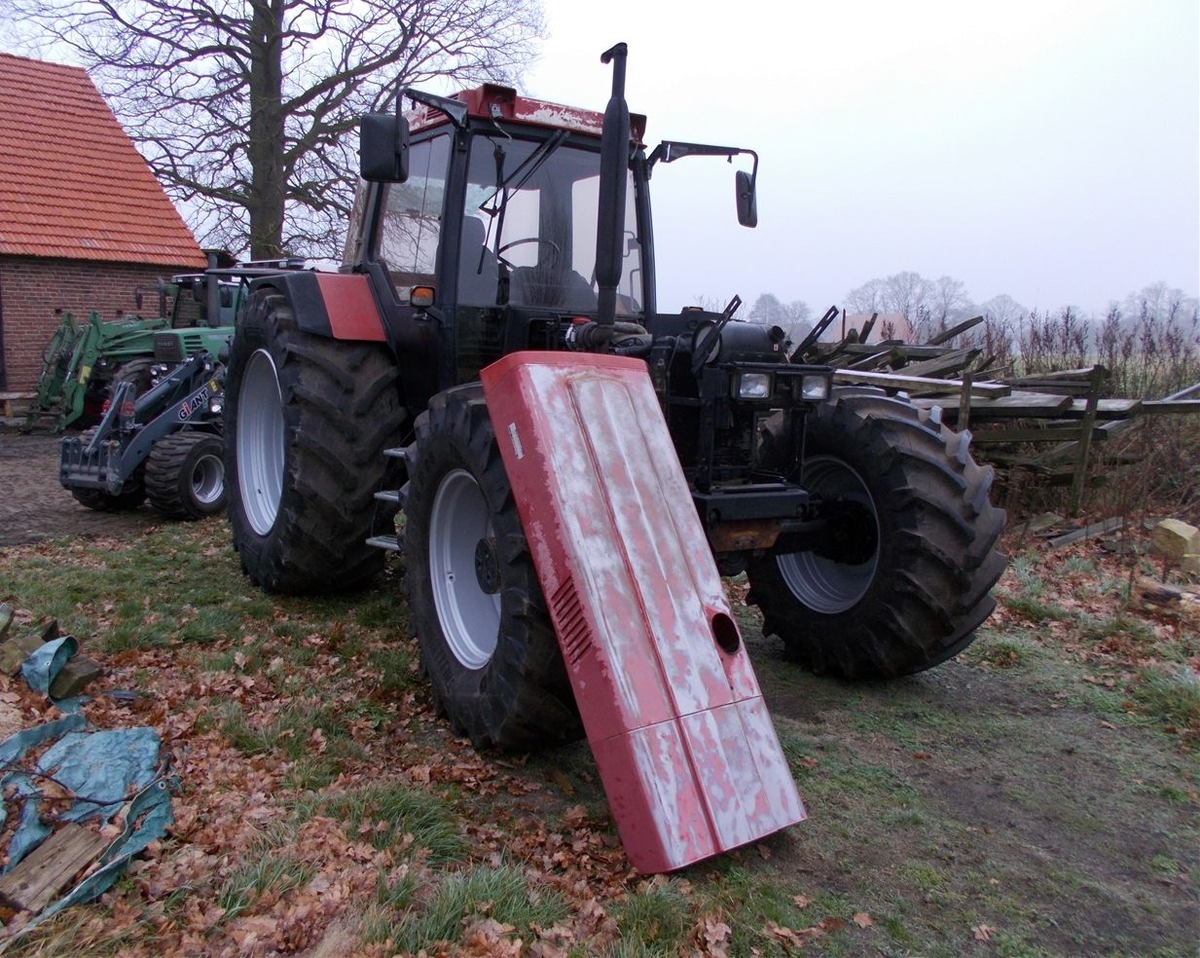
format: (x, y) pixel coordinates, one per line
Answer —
(1045, 423)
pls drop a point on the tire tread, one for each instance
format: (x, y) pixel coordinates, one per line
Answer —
(937, 564)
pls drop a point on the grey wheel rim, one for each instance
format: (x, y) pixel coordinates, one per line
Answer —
(208, 480)
(820, 583)
(260, 442)
(469, 616)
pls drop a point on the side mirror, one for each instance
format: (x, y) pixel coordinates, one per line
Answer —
(199, 290)
(383, 148)
(747, 202)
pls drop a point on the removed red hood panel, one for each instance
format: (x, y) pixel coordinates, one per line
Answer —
(685, 746)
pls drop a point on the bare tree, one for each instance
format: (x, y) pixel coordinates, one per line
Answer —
(865, 299)
(1162, 302)
(791, 317)
(1003, 318)
(1004, 310)
(767, 310)
(246, 109)
(908, 294)
(948, 302)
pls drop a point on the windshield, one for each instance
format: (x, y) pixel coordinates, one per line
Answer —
(535, 221)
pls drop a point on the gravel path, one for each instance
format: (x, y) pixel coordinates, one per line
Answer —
(34, 506)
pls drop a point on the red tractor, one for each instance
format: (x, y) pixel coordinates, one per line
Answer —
(492, 224)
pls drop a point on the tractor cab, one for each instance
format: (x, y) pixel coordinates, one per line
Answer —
(486, 240)
(481, 222)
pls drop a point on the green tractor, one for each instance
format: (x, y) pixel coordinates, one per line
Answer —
(163, 444)
(85, 360)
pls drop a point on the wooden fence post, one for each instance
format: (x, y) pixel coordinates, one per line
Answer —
(1096, 379)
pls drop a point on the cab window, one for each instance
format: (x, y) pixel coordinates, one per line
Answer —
(410, 225)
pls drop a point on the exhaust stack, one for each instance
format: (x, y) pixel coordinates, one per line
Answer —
(614, 165)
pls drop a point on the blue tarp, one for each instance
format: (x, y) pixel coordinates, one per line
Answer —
(43, 665)
(146, 820)
(106, 771)
(102, 768)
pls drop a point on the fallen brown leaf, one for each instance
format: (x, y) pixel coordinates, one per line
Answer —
(983, 932)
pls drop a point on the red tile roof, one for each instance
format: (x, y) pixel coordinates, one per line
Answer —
(72, 185)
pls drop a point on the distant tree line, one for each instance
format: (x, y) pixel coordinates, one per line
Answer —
(1150, 340)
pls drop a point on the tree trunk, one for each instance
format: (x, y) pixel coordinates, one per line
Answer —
(268, 184)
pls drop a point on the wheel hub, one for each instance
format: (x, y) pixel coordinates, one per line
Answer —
(852, 535)
(835, 575)
(208, 480)
(487, 566)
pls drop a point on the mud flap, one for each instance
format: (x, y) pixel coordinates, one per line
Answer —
(673, 712)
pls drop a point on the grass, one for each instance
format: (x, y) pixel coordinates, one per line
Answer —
(656, 916)
(392, 816)
(1006, 651)
(1174, 695)
(273, 871)
(500, 893)
(1034, 610)
(1042, 787)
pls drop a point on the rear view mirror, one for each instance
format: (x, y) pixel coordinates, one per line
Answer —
(747, 202)
(383, 148)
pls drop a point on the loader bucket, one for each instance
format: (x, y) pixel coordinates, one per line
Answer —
(686, 750)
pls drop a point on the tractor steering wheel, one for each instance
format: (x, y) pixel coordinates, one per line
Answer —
(521, 242)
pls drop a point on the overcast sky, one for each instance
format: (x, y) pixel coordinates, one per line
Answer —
(1049, 150)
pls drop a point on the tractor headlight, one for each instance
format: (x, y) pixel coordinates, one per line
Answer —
(753, 386)
(814, 388)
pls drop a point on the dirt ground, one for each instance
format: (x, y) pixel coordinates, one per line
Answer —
(34, 506)
(1008, 802)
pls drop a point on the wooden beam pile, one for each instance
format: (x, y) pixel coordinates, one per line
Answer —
(1046, 423)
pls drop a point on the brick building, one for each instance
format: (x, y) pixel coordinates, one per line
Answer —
(83, 221)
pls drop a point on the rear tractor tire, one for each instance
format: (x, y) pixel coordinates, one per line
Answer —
(903, 577)
(476, 605)
(185, 475)
(307, 420)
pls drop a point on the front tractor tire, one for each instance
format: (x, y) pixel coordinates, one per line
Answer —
(903, 576)
(140, 372)
(307, 420)
(486, 640)
(185, 475)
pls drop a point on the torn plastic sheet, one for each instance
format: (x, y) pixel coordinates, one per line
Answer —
(102, 768)
(43, 665)
(31, 831)
(146, 820)
(13, 748)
